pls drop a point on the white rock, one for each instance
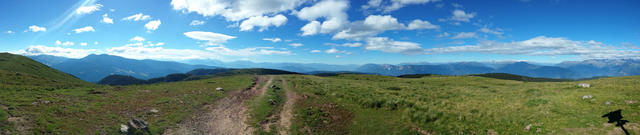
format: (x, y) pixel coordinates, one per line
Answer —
(587, 97)
(124, 128)
(607, 103)
(584, 85)
(219, 89)
(154, 111)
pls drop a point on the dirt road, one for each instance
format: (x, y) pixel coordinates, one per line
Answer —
(225, 117)
(287, 114)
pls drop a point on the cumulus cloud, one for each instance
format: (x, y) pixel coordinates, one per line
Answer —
(83, 44)
(210, 37)
(272, 39)
(84, 29)
(444, 34)
(310, 28)
(371, 26)
(463, 35)
(137, 17)
(152, 25)
(137, 39)
(35, 28)
(10, 32)
(385, 44)
(392, 5)
(460, 15)
(196, 23)
(332, 11)
(295, 45)
(419, 24)
(235, 10)
(106, 19)
(88, 9)
(264, 22)
(543, 45)
(315, 51)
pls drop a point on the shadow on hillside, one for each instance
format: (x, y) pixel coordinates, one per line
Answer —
(616, 116)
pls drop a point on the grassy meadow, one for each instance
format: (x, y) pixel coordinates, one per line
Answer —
(371, 104)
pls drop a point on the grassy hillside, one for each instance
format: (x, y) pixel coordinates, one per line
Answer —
(20, 70)
(370, 104)
(101, 109)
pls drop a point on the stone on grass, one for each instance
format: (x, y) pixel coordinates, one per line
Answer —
(124, 128)
(629, 101)
(154, 111)
(219, 89)
(584, 85)
(587, 97)
(528, 127)
(607, 103)
(136, 124)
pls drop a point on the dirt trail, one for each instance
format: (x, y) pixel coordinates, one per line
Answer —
(287, 114)
(225, 117)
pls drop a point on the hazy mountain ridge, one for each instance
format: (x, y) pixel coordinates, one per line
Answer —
(95, 67)
(92, 68)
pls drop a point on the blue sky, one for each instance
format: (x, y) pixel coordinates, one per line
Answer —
(325, 31)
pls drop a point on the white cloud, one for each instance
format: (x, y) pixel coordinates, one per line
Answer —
(392, 5)
(333, 12)
(88, 9)
(96, 42)
(10, 32)
(235, 10)
(196, 23)
(55, 51)
(84, 29)
(542, 45)
(352, 44)
(83, 44)
(35, 28)
(145, 52)
(264, 22)
(310, 28)
(460, 15)
(315, 51)
(212, 38)
(462, 35)
(371, 26)
(497, 32)
(106, 19)
(153, 25)
(456, 5)
(137, 17)
(419, 24)
(137, 39)
(66, 43)
(385, 44)
(272, 39)
(295, 45)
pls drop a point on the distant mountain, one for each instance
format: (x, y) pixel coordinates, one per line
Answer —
(93, 68)
(293, 67)
(603, 67)
(442, 69)
(20, 70)
(505, 76)
(196, 74)
(49, 59)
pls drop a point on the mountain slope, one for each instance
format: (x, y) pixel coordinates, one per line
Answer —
(95, 67)
(21, 70)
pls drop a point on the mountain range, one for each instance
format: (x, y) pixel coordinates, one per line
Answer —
(95, 67)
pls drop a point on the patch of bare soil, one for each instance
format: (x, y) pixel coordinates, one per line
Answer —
(287, 114)
(225, 117)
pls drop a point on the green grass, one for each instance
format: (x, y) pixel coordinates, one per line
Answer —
(463, 104)
(263, 109)
(21, 70)
(101, 109)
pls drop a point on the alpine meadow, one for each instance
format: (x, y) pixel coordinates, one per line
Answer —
(320, 67)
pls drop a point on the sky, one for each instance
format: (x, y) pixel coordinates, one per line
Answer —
(325, 31)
